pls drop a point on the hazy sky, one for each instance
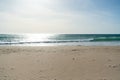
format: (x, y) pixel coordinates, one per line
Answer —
(59, 16)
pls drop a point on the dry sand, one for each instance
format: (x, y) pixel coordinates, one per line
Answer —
(59, 63)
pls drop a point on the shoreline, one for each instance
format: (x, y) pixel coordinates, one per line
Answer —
(60, 45)
(59, 62)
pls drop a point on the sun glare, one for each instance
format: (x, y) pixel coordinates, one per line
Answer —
(38, 37)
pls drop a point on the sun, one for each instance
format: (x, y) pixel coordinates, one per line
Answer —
(33, 7)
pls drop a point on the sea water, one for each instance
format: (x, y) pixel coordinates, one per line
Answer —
(60, 39)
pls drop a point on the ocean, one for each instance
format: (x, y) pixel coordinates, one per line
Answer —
(60, 39)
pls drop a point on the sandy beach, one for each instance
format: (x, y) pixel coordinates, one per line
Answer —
(59, 63)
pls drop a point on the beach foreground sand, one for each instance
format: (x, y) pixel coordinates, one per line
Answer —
(59, 63)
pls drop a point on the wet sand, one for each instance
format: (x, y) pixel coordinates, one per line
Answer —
(59, 63)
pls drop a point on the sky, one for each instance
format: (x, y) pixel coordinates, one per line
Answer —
(60, 16)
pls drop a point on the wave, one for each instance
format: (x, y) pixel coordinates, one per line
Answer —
(9, 39)
(106, 39)
(63, 41)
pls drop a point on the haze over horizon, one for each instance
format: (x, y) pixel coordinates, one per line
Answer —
(60, 16)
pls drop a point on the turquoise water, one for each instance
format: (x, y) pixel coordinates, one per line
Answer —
(60, 39)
